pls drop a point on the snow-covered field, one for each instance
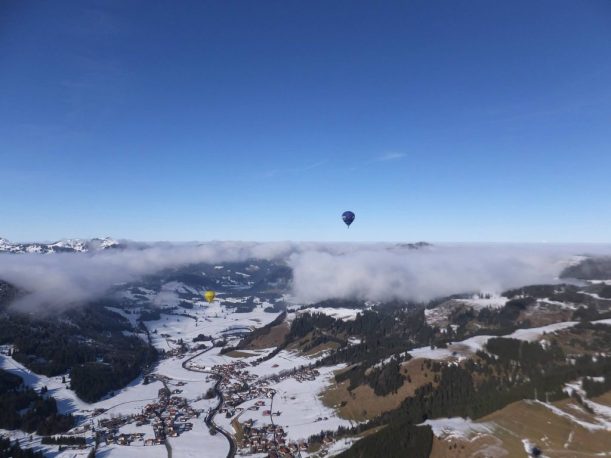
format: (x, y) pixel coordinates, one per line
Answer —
(457, 427)
(302, 412)
(337, 313)
(216, 320)
(485, 300)
(472, 345)
(198, 443)
(27, 440)
(601, 412)
(67, 401)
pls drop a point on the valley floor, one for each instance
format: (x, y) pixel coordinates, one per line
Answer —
(133, 417)
(198, 401)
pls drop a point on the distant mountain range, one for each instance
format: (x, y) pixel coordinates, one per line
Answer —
(414, 246)
(99, 244)
(62, 246)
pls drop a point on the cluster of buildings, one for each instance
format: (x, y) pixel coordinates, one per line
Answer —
(109, 430)
(304, 374)
(170, 416)
(270, 439)
(237, 386)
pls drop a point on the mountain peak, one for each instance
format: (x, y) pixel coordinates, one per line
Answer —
(61, 246)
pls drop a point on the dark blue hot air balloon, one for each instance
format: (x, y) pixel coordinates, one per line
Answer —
(348, 218)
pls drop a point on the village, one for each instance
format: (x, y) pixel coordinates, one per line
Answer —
(239, 387)
(241, 391)
(168, 417)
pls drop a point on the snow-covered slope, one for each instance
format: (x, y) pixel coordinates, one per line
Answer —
(62, 246)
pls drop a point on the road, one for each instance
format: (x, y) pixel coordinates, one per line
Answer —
(210, 417)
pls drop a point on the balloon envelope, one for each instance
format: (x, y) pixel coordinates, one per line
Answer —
(348, 218)
(209, 296)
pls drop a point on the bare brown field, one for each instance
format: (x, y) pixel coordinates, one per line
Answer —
(239, 431)
(556, 435)
(542, 316)
(240, 354)
(605, 399)
(479, 446)
(583, 341)
(299, 344)
(321, 348)
(364, 404)
(273, 338)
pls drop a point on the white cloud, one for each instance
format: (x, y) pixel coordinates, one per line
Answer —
(320, 271)
(390, 157)
(421, 275)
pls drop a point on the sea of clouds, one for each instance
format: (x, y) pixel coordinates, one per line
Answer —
(320, 270)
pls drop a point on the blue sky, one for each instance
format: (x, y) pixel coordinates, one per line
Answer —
(195, 120)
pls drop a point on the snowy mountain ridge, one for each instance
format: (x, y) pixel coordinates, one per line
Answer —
(61, 246)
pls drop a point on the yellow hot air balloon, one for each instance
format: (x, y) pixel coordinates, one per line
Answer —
(209, 295)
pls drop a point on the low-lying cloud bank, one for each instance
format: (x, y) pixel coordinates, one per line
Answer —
(320, 271)
(67, 279)
(421, 275)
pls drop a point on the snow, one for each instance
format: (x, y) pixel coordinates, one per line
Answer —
(67, 401)
(107, 242)
(457, 427)
(198, 442)
(562, 305)
(602, 412)
(532, 334)
(478, 302)
(605, 321)
(569, 439)
(302, 410)
(528, 448)
(341, 445)
(128, 400)
(121, 451)
(595, 296)
(196, 383)
(33, 249)
(354, 341)
(344, 314)
(285, 360)
(50, 451)
(601, 424)
(474, 344)
(75, 244)
(428, 353)
(132, 318)
(212, 320)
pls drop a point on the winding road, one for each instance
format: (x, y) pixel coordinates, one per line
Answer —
(209, 420)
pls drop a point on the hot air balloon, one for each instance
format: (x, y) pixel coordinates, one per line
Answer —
(348, 218)
(209, 296)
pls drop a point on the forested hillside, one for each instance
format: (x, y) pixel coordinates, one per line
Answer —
(91, 343)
